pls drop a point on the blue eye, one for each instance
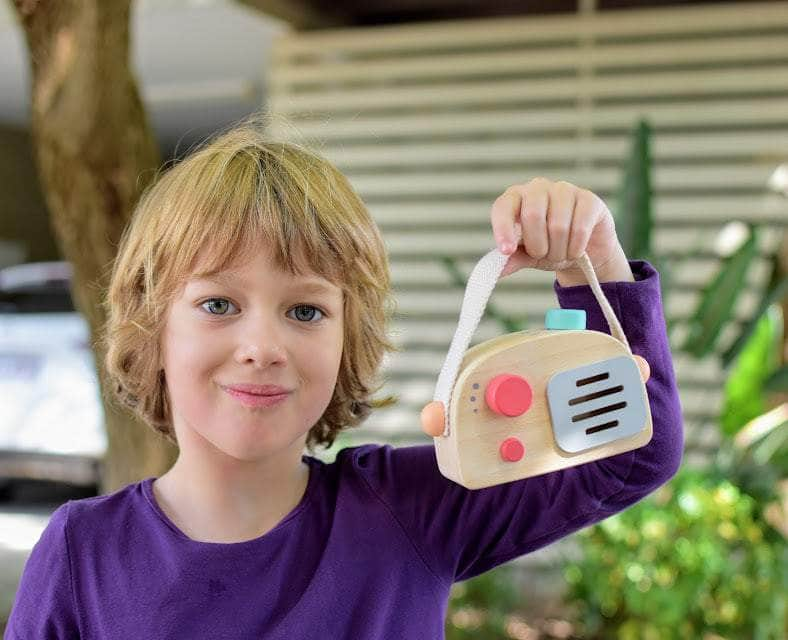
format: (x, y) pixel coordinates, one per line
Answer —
(220, 306)
(217, 309)
(308, 317)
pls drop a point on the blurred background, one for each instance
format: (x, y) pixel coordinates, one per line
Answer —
(674, 112)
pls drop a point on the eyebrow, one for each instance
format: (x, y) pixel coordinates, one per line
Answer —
(313, 286)
(306, 286)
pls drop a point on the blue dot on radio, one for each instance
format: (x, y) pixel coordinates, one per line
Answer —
(473, 398)
(475, 385)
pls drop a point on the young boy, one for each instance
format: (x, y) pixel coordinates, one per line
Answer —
(246, 319)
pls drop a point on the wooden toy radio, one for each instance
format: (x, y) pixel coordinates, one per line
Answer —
(535, 401)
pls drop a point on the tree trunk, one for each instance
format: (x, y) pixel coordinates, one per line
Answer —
(95, 153)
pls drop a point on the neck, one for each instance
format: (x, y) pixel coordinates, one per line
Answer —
(231, 500)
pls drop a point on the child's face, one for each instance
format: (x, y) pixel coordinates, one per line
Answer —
(255, 325)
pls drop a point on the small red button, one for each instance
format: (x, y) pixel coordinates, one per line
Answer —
(512, 450)
(508, 395)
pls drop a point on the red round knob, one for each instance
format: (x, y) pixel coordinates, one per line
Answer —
(508, 395)
(512, 450)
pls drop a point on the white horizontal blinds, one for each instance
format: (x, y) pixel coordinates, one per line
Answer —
(432, 121)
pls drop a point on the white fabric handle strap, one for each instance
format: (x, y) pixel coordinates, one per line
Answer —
(477, 291)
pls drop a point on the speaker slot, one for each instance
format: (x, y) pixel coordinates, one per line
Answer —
(598, 412)
(598, 394)
(592, 379)
(601, 427)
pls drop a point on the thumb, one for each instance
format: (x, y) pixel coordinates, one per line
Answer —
(518, 260)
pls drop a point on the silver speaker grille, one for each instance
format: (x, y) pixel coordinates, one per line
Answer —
(596, 404)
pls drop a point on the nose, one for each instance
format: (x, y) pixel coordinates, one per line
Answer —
(260, 343)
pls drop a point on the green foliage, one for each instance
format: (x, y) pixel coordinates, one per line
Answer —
(778, 381)
(480, 607)
(757, 470)
(719, 299)
(632, 210)
(692, 558)
(698, 556)
(744, 398)
(776, 290)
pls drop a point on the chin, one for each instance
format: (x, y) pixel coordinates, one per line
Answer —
(253, 446)
(244, 452)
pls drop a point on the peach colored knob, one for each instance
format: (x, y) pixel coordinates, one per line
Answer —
(645, 369)
(433, 418)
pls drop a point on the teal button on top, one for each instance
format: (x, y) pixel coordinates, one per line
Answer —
(565, 319)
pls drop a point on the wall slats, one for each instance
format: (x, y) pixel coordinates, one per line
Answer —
(432, 121)
(428, 244)
(458, 184)
(473, 34)
(524, 91)
(698, 210)
(444, 303)
(365, 158)
(671, 212)
(691, 274)
(682, 114)
(445, 66)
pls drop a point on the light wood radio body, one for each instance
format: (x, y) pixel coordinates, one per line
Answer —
(531, 402)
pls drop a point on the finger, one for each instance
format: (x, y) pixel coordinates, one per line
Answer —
(559, 220)
(645, 369)
(588, 212)
(503, 217)
(517, 261)
(533, 217)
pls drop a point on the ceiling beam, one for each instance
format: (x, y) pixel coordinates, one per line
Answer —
(299, 14)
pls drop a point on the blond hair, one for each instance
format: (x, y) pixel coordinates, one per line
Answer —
(224, 198)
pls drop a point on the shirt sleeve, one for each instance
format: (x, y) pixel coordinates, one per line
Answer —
(44, 603)
(461, 533)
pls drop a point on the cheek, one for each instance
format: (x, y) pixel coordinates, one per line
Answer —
(331, 353)
(187, 361)
(320, 367)
(185, 352)
(319, 362)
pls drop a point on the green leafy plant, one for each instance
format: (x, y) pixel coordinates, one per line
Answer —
(490, 607)
(690, 559)
(479, 607)
(719, 298)
(754, 451)
(706, 555)
(744, 397)
(635, 230)
(775, 291)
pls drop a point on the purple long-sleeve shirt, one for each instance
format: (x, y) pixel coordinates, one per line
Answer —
(370, 552)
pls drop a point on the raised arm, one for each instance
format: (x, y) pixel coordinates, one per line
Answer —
(461, 533)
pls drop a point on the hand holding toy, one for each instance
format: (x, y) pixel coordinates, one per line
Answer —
(548, 225)
(531, 402)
